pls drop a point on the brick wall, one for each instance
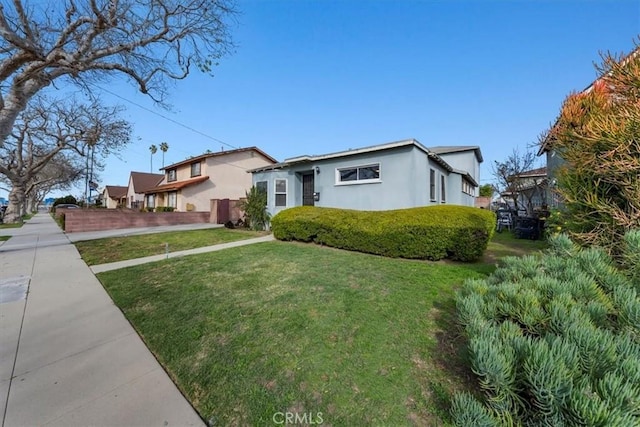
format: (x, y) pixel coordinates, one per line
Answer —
(483, 202)
(77, 220)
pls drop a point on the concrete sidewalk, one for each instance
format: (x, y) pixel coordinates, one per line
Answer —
(67, 354)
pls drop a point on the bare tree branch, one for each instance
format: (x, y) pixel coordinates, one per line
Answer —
(49, 131)
(148, 41)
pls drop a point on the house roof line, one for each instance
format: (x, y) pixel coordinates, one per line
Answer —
(370, 149)
(446, 149)
(116, 191)
(177, 185)
(537, 172)
(142, 181)
(219, 154)
(467, 176)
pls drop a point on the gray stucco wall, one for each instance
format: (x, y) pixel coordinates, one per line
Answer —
(455, 194)
(464, 160)
(404, 182)
(554, 161)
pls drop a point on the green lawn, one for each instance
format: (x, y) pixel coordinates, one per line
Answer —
(504, 244)
(17, 224)
(4, 238)
(102, 251)
(11, 225)
(274, 327)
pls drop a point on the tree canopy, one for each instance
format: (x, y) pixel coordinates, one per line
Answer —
(52, 133)
(598, 136)
(150, 42)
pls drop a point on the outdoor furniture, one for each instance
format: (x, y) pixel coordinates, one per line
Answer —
(504, 220)
(528, 228)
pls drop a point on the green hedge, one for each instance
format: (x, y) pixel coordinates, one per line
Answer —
(555, 339)
(165, 209)
(433, 232)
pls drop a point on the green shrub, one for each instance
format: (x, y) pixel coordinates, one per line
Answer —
(65, 200)
(165, 209)
(554, 339)
(254, 207)
(434, 232)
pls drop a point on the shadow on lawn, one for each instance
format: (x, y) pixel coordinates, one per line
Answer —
(451, 359)
(451, 353)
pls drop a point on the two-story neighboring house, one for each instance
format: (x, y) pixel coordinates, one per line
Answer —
(191, 185)
(139, 183)
(396, 175)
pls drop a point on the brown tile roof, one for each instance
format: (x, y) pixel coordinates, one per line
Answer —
(177, 185)
(116, 191)
(220, 154)
(144, 181)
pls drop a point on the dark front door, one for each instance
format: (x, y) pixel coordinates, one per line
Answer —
(307, 189)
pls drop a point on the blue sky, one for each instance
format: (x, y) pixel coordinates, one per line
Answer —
(318, 76)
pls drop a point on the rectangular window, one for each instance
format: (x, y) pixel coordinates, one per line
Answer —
(261, 186)
(171, 175)
(359, 174)
(467, 188)
(443, 197)
(172, 199)
(281, 192)
(151, 201)
(432, 185)
(195, 169)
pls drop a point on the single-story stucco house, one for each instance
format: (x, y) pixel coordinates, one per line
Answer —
(114, 196)
(395, 175)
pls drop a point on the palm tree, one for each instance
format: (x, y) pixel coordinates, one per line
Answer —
(163, 147)
(153, 150)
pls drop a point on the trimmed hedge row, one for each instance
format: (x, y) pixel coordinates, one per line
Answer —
(432, 232)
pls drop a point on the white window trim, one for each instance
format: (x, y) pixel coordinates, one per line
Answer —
(276, 192)
(443, 188)
(169, 198)
(359, 181)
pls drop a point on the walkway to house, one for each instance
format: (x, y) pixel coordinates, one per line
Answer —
(67, 354)
(137, 261)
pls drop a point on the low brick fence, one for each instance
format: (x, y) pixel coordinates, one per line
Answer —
(77, 220)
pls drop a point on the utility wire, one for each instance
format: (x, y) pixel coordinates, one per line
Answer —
(164, 117)
(178, 123)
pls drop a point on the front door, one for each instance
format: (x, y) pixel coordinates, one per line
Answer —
(307, 189)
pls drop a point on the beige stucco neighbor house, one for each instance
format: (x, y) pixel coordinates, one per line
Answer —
(192, 184)
(139, 183)
(114, 196)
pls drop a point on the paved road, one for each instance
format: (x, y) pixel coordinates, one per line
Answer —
(67, 355)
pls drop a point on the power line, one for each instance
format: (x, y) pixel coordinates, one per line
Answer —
(164, 117)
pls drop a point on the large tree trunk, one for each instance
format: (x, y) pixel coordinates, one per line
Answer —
(16, 205)
(32, 202)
